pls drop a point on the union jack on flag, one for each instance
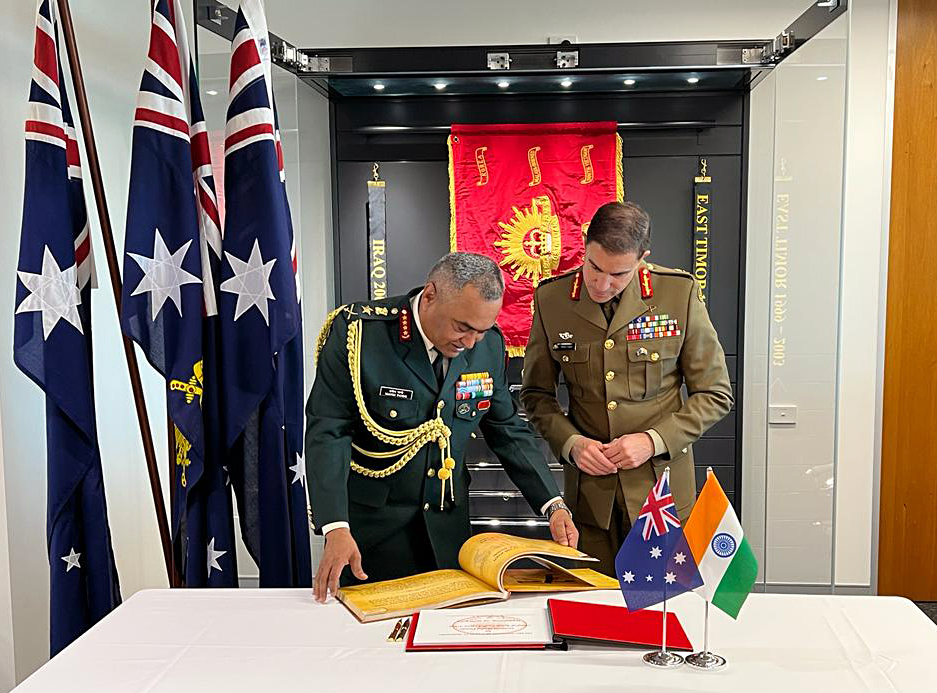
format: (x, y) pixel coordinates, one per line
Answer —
(52, 346)
(658, 511)
(655, 561)
(170, 295)
(261, 319)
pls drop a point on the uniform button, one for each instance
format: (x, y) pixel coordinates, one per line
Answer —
(612, 406)
(565, 359)
(393, 413)
(610, 375)
(425, 507)
(684, 450)
(430, 473)
(655, 356)
(474, 436)
(609, 343)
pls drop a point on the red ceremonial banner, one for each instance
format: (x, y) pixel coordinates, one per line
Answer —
(523, 195)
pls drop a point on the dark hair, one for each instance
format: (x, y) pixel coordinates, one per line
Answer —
(455, 271)
(620, 228)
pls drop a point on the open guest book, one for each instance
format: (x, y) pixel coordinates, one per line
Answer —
(486, 576)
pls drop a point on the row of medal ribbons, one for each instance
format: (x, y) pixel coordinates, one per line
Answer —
(474, 385)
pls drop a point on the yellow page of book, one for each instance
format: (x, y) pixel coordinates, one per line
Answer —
(437, 589)
(541, 580)
(487, 555)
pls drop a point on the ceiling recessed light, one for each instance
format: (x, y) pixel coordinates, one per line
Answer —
(566, 83)
(629, 82)
(692, 80)
(379, 86)
(822, 78)
(503, 84)
(440, 86)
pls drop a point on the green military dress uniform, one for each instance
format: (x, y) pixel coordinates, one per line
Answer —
(619, 386)
(380, 428)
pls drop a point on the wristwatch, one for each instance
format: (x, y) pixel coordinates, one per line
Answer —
(557, 505)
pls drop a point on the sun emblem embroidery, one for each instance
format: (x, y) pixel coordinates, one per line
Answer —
(531, 242)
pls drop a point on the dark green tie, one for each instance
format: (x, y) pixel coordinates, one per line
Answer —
(437, 367)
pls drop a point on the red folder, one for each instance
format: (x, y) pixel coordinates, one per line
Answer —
(614, 624)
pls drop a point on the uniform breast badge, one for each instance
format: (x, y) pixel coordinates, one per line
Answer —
(653, 327)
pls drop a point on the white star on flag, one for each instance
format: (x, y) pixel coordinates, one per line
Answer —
(649, 578)
(670, 578)
(213, 557)
(656, 552)
(72, 559)
(679, 558)
(163, 274)
(251, 282)
(54, 292)
(299, 471)
(628, 577)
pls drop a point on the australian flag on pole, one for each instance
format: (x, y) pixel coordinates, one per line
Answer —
(655, 563)
(261, 322)
(52, 345)
(169, 304)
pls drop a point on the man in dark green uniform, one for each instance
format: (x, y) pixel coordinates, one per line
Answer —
(401, 385)
(626, 335)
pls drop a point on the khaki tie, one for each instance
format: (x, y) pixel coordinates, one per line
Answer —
(609, 308)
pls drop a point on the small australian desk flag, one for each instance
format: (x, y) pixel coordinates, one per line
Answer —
(655, 563)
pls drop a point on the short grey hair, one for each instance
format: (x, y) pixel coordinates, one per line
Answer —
(457, 270)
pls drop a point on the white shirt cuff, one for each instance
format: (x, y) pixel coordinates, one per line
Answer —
(660, 447)
(334, 525)
(543, 510)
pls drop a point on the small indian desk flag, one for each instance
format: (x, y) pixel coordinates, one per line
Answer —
(726, 561)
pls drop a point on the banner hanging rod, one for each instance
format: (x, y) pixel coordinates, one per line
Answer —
(433, 129)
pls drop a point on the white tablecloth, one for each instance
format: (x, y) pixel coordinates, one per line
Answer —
(281, 640)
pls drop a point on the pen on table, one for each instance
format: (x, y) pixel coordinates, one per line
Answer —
(403, 631)
(393, 634)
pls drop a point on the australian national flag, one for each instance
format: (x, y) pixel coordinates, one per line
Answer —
(655, 563)
(261, 321)
(169, 304)
(52, 345)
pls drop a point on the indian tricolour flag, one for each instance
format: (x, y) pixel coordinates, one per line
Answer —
(726, 561)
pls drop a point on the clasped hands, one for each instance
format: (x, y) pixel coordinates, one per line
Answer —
(600, 459)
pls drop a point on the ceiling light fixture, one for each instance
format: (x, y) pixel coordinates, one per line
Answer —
(503, 84)
(692, 80)
(629, 82)
(440, 86)
(379, 87)
(566, 83)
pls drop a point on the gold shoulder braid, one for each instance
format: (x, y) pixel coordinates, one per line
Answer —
(406, 443)
(326, 328)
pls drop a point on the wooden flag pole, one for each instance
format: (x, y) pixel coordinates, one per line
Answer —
(97, 185)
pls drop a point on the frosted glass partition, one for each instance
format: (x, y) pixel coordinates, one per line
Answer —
(792, 316)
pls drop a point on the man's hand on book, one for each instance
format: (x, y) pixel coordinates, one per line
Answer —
(340, 550)
(562, 528)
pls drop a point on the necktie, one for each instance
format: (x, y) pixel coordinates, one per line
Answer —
(437, 367)
(608, 309)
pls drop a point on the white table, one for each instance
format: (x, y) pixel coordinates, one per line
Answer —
(280, 640)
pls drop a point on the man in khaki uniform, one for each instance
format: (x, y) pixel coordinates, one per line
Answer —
(626, 335)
